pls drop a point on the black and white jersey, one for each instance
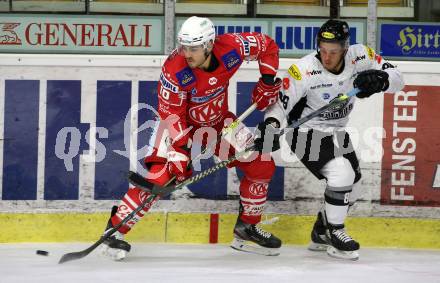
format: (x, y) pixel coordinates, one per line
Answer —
(308, 86)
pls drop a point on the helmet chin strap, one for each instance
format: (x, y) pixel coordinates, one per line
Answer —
(207, 53)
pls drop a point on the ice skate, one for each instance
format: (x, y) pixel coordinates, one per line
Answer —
(320, 240)
(342, 245)
(253, 239)
(114, 246)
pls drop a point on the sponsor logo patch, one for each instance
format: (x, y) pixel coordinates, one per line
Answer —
(294, 72)
(313, 72)
(167, 84)
(209, 94)
(252, 209)
(327, 35)
(185, 77)
(231, 60)
(212, 80)
(370, 52)
(323, 85)
(358, 58)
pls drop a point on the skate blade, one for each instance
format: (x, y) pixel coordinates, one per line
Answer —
(317, 247)
(113, 254)
(350, 255)
(242, 245)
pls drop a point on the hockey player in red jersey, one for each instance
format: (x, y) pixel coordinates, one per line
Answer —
(193, 93)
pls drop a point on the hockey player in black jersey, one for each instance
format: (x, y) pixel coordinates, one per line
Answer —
(322, 144)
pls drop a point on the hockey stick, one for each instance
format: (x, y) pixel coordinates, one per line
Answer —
(83, 253)
(135, 178)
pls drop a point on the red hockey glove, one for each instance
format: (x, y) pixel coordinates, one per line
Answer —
(178, 160)
(265, 95)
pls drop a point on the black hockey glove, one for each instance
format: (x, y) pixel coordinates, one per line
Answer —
(268, 138)
(370, 82)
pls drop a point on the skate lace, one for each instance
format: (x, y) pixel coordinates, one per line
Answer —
(342, 235)
(262, 232)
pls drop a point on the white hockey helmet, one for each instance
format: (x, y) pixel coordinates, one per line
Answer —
(196, 31)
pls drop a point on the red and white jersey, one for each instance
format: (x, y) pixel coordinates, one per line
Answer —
(200, 98)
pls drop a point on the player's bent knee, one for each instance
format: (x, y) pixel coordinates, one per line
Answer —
(339, 173)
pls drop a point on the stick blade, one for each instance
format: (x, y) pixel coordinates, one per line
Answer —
(77, 255)
(72, 256)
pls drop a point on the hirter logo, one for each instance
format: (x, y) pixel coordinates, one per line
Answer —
(209, 111)
(7, 34)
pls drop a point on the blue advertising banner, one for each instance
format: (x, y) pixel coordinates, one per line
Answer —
(67, 136)
(410, 40)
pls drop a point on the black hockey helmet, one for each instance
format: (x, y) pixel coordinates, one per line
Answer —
(334, 31)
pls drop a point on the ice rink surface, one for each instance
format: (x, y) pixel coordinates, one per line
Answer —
(215, 263)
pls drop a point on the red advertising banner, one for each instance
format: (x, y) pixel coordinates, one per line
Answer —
(411, 161)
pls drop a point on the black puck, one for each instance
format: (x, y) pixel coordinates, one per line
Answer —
(40, 252)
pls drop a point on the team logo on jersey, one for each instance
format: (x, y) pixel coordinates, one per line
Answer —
(370, 52)
(194, 91)
(231, 59)
(338, 111)
(313, 72)
(294, 72)
(185, 77)
(209, 111)
(258, 189)
(212, 80)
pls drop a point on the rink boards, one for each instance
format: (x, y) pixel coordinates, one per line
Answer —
(68, 138)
